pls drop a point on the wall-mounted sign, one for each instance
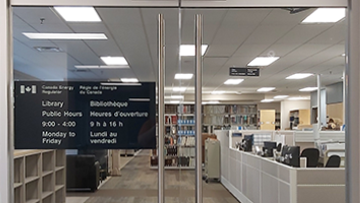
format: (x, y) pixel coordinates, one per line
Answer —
(244, 72)
(84, 115)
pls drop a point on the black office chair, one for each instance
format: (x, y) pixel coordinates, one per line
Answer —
(333, 161)
(312, 156)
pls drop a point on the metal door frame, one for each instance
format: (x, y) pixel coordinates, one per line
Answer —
(352, 73)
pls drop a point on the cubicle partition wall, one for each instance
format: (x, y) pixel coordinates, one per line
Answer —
(254, 179)
(284, 137)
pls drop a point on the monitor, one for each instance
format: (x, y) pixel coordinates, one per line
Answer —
(292, 156)
(284, 149)
(250, 137)
(268, 149)
(246, 145)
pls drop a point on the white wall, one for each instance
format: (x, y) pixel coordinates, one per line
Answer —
(287, 106)
(273, 105)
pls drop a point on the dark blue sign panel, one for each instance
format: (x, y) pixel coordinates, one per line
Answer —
(244, 72)
(84, 115)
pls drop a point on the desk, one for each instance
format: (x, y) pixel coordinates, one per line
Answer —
(254, 179)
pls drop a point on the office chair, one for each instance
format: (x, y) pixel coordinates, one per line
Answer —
(333, 161)
(312, 156)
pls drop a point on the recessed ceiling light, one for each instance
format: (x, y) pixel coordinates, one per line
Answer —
(233, 81)
(267, 100)
(48, 49)
(179, 89)
(308, 89)
(211, 102)
(298, 76)
(120, 84)
(129, 80)
(217, 92)
(263, 61)
(189, 49)
(177, 96)
(299, 98)
(99, 67)
(78, 14)
(281, 96)
(343, 54)
(183, 76)
(65, 36)
(326, 15)
(266, 89)
(174, 102)
(114, 60)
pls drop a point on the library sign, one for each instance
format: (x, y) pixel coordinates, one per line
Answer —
(84, 115)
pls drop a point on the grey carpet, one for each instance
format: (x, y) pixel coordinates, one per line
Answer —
(138, 184)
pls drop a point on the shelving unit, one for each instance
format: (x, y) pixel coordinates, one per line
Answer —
(179, 146)
(277, 120)
(39, 176)
(217, 116)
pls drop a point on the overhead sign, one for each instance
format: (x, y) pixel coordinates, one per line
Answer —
(84, 115)
(244, 72)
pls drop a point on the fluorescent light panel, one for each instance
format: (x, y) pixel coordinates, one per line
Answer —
(263, 61)
(266, 89)
(78, 14)
(233, 81)
(189, 49)
(267, 100)
(174, 102)
(298, 98)
(325, 15)
(114, 60)
(217, 92)
(99, 67)
(183, 76)
(129, 80)
(120, 84)
(177, 97)
(211, 102)
(179, 89)
(298, 76)
(66, 36)
(281, 96)
(308, 89)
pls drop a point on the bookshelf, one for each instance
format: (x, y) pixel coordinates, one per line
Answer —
(39, 176)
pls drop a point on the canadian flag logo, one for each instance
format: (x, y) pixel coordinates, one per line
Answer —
(28, 89)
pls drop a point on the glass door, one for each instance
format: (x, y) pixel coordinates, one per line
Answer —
(187, 54)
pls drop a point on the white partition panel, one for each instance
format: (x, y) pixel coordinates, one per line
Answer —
(254, 179)
(338, 136)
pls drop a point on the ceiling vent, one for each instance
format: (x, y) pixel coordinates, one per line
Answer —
(80, 70)
(49, 49)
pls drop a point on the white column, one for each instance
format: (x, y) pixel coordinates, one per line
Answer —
(116, 163)
(6, 172)
(352, 122)
(317, 131)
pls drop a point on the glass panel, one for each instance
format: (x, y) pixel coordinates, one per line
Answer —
(122, 173)
(247, 88)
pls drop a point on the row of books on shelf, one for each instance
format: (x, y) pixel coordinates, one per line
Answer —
(174, 120)
(179, 141)
(179, 151)
(180, 121)
(186, 132)
(231, 109)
